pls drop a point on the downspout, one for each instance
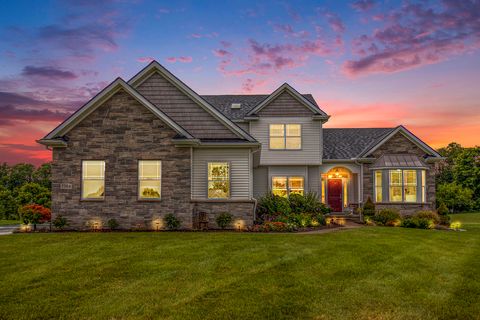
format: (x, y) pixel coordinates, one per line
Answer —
(255, 202)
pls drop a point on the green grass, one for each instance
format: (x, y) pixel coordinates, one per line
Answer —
(366, 273)
(9, 222)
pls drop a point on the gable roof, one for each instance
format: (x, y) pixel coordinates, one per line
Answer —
(287, 88)
(409, 135)
(96, 101)
(154, 66)
(348, 143)
(247, 102)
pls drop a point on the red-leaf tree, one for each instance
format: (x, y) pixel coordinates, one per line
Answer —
(34, 214)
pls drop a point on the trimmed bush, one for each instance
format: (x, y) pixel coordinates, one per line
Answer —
(368, 208)
(223, 220)
(388, 217)
(443, 210)
(112, 224)
(172, 222)
(60, 222)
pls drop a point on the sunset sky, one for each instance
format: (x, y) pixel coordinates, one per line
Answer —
(368, 63)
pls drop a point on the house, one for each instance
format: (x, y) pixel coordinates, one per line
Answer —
(151, 146)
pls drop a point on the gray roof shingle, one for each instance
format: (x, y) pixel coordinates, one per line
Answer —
(223, 103)
(347, 143)
(399, 161)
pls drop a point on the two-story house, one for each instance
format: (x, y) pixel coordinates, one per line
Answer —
(141, 149)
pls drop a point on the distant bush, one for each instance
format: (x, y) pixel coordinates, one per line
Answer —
(388, 217)
(172, 222)
(113, 224)
(224, 220)
(60, 222)
(455, 197)
(369, 208)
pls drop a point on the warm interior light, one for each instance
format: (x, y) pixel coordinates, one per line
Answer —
(240, 224)
(157, 224)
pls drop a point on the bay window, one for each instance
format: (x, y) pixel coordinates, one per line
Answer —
(149, 179)
(284, 186)
(395, 185)
(218, 180)
(285, 136)
(378, 186)
(410, 185)
(93, 179)
(399, 185)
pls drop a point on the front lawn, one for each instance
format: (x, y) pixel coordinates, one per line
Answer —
(366, 273)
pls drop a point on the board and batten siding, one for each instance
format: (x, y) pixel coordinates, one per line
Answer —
(311, 152)
(240, 172)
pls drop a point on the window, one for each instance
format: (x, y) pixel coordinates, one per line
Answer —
(396, 185)
(283, 186)
(410, 185)
(378, 186)
(149, 179)
(218, 180)
(93, 179)
(285, 136)
(424, 198)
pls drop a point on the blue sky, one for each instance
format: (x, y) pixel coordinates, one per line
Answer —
(367, 63)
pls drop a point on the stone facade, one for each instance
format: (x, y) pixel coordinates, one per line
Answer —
(399, 144)
(121, 131)
(242, 211)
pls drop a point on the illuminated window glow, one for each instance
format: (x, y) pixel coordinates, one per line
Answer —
(93, 179)
(149, 179)
(218, 180)
(283, 186)
(378, 186)
(285, 136)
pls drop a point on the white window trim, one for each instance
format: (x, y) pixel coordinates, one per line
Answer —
(285, 137)
(421, 186)
(288, 182)
(229, 164)
(92, 179)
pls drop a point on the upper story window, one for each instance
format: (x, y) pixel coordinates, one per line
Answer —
(149, 179)
(285, 136)
(93, 179)
(218, 180)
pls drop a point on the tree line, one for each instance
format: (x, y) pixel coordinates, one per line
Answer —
(457, 182)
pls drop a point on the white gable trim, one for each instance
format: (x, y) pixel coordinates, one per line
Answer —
(154, 66)
(103, 96)
(410, 136)
(287, 88)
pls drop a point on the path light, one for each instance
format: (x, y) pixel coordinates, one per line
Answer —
(455, 225)
(240, 224)
(25, 228)
(96, 225)
(157, 223)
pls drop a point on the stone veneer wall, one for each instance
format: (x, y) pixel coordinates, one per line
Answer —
(121, 131)
(242, 211)
(396, 145)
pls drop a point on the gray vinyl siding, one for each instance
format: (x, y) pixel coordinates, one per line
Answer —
(240, 172)
(314, 180)
(285, 105)
(311, 152)
(260, 182)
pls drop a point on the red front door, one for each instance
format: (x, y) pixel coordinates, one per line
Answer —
(334, 192)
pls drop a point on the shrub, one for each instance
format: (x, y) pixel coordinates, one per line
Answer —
(224, 219)
(445, 220)
(172, 222)
(455, 197)
(429, 215)
(113, 224)
(272, 205)
(60, 222)
(320, 219)
(387, 217)
(409, 222)
(8, 205)
(307, 203)
(443, 210)
(302, 220)
(368, 208)
(34, 214)
(275, 227)
(417, 222)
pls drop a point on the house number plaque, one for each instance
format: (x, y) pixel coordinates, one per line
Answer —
(65, 186)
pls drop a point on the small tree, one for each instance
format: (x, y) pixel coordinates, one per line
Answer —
(112, 224)
(369, 208)
(224, 219)
(8, 205)
(34, 214)
(455, 197)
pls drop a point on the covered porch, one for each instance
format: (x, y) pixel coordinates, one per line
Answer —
(340, 187)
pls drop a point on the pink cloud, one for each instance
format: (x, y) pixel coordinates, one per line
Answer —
(145, 59)
(183, 59)
(416, 35)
